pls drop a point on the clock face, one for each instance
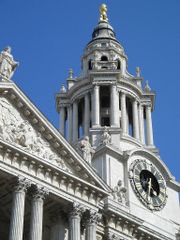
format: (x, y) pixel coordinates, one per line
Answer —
(148, 184)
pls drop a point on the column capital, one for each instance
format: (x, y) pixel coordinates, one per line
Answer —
(21, 184)
(93, 217)
(40, 192)
(77, 209)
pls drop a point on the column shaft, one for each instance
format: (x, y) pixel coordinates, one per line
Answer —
(96, 107)
(62, 120)
(141, 123)
(75, 121)
(114, 107)
(135, 120)
(36, 222)
(123, 114)
(91, 225)
(17, 214)
(91, 231)
(75, 233)
(86, 115)
(149, 129)
(70, 123)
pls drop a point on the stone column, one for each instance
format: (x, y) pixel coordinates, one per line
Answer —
(74, 221)
(18, 206)
(141, 123)
(123, 113)
(149, 129)
(62, 120)
(96, 107)
(91, 225)
(69, 123)
(114, 107)
(75, 121)
(135, 119)
(86, 115)
(36, 222)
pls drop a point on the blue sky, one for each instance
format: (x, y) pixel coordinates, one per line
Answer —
(48, 37)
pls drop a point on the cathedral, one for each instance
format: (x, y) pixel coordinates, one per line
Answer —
(100, 175)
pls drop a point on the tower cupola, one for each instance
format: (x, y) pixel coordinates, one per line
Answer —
(106, 97)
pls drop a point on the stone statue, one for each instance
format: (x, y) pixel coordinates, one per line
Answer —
(119, 193)
(7, 63)
(105, 138)
(86, 149)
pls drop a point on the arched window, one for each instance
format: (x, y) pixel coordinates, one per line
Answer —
(90, 64)
(104, 58)
(118, 64)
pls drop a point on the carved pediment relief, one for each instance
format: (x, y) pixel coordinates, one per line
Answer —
(18, 131)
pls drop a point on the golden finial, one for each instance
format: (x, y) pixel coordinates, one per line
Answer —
(103, 13)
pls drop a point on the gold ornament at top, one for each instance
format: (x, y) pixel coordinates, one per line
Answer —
(103, 13)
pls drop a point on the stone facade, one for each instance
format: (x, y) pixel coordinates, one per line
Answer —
(108, 181)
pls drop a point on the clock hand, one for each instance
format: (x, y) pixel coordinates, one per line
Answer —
(149, 187)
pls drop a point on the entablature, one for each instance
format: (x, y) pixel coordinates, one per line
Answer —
(18, 162)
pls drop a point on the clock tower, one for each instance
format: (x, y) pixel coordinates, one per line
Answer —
(105, 114)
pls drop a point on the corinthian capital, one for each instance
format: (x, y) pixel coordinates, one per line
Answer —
(77, 209)
(94, 216)
(40, 192)
(21, 184)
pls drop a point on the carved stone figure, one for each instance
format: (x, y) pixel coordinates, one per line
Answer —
(16, 130)
(105, 138)
(86, 149)
(7, 63)
(119, 193)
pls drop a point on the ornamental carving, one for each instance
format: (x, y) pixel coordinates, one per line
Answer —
(112, 236)
(7, 63)
(14, 129)
(77, 209)
(40, 193)
(119, 193)
(21, 184)
(93, 216)
(105, 137)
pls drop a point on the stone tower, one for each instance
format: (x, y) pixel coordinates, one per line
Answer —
(105, 113)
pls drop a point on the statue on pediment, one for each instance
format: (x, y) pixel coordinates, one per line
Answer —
(7, 63)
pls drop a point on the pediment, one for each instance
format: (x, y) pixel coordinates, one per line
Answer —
(17, 130)
(22, 125)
